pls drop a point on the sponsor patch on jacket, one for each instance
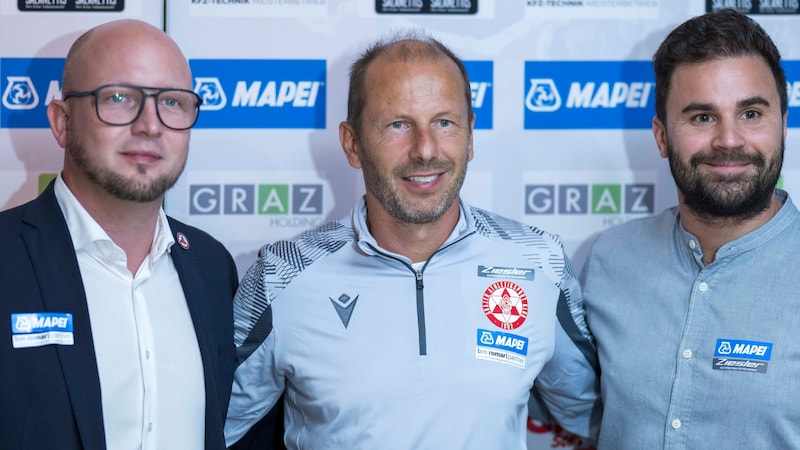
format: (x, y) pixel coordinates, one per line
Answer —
(38, 329)
(747, 356)
(514, 273)
(505, 304)
(502, 347)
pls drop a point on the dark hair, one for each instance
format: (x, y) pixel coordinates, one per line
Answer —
(722, 34)
(405, 45)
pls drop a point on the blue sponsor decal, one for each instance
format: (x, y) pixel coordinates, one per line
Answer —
(589, 94)
(27, 86)
(792, 71)
(503, 341)
(27, 323)
(256, 93)
(481, 76)
(733, 348)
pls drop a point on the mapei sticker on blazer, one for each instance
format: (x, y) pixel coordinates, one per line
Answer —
(38, 329)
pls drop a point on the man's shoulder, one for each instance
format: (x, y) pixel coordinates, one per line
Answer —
(193, 234)
(493, 224)
(297, 254)
(636, 231)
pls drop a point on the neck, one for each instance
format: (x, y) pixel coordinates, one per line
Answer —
(413, 240)
(714, 232)
(130, 225)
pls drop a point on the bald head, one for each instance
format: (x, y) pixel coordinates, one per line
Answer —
(95, 57)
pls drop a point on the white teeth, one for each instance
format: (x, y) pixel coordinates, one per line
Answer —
(427, 179)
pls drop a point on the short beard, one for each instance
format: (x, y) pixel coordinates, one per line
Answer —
(386, 191)
(114, 183)
(729, 199)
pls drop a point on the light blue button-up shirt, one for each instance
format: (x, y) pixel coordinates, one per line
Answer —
(694, 356)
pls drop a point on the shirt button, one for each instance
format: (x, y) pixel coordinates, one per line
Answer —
(687, 353)
(150, 426)
(702, 286)
(676, 424)
(147, 354)
(692, 244)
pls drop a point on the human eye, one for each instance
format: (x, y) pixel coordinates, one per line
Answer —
(444, 123)
(751, 114)
(176, 100)
(114, 95)
(397, 125)
(702, 118)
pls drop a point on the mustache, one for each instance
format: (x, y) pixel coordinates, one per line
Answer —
(736, 156)
(425, 167)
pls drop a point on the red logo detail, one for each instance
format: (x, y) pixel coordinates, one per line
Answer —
(505, 305)
(183, 241)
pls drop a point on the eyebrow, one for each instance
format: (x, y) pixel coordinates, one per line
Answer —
(757, 100)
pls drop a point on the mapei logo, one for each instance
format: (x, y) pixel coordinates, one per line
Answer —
(636, 198)
(481, 76)
(210, 90)
(20, 93)
(28, 85)
(250, 199)
(792, 71)
(743, 349)
(260, 93)
(588, 95)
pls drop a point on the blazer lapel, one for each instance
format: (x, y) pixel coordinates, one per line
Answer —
(54, 260)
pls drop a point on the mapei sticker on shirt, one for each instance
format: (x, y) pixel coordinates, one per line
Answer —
(38, 329)
(748, 356)
(502, 347)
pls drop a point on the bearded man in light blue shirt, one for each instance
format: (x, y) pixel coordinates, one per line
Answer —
(694, 310)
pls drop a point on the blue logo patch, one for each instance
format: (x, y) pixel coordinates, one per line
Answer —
(26, 323)
(254, 93)
(27, 86)
(481, 76)
(589, 94)
(503, 341)
(731, 348)
(792, 71)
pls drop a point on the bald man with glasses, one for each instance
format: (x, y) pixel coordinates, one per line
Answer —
(120, 317)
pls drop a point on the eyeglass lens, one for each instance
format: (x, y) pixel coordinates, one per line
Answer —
(121, 105)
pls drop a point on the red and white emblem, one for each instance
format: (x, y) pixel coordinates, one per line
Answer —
(505, 305)
(183, 241)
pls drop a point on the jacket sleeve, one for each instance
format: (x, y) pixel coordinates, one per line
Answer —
(257, 384)
(567, 389)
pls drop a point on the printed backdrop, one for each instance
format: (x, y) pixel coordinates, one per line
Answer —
(563, 92)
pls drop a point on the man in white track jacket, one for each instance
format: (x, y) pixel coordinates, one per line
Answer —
(417, 322)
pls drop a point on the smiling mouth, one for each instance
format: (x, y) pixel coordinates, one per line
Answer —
(423, 179)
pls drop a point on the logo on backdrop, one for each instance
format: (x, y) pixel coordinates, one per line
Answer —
(252, 93)
(607, 94)
(27, 86)
(756, 6)
(70, 5)
(284, 205)
(481, 76)
(210, 90)
(581, 203)
(587, 94)
(426, 6)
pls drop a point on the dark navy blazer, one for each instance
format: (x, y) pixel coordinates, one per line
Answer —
(50, 395)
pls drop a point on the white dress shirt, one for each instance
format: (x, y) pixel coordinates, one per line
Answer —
(151, 372)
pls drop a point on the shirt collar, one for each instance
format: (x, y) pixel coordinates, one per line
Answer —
(86, 232)
(777, 224)
(465, 226)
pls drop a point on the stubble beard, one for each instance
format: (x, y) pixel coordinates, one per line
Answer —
(117, 185)
(387, 192)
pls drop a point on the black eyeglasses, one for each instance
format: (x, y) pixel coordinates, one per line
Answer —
(122, 104)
